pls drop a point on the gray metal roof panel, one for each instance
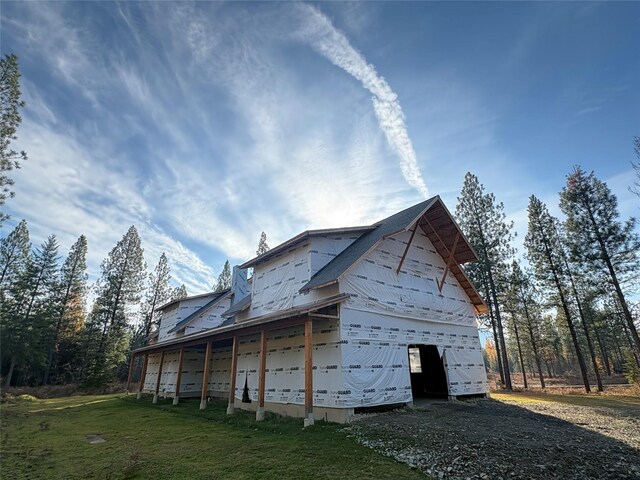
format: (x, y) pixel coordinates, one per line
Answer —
(341, 263)
(243, 303)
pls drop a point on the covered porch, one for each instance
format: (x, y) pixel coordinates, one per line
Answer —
(194, 354)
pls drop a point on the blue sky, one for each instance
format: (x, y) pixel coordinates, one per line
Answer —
(204, 124)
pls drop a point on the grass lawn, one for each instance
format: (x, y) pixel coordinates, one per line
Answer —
(48, 439)
(585, 400)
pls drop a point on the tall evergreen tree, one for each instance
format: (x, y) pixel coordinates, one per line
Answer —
(158, 292)
(71, 293)
(14, 251)
(599, 238)
(179, 292)
(544, 251)
(636, 167)
(28, 312)
(521, 292)
(224, 279)
(118, 290)
(484, 222)
(10, 119)
(262, 244)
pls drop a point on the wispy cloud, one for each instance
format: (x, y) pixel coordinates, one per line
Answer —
(318, 30)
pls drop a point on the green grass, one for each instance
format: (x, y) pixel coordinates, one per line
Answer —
(584, 400)
(47, 439)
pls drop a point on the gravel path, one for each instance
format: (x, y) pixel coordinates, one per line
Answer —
(490, 439)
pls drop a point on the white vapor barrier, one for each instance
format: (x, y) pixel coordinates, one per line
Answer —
(375, 359)
(172, 315)
(284, 372)
(376, 287)
(210, 318)
(192, 368)
(276, 283)
(324, 248)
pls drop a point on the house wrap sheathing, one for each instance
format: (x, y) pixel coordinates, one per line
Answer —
(359, 304)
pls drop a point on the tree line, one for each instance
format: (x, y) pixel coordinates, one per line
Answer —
(566, 311)
(48, 336)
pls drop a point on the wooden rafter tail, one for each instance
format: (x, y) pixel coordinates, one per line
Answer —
(449, 260)
(406, 250)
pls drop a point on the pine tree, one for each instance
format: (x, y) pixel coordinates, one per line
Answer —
(10, 119)
(158, 292)
(520, 289)
(14, 251)
(483, 222)
(28, 312)
(224, 279)
(118, 290)
(262, 244)
(636, 167)
(71, 293)
(544, 251)
(599, 239)
(179, 292)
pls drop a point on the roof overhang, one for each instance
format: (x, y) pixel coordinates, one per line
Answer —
(300, 238)
(295, 314)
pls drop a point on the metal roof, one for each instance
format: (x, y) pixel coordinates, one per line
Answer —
(230, 327)
(299, 238)
(238, 306)
(436, 222)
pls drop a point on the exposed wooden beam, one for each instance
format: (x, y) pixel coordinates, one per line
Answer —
(406, 250)
(176, 395)
(131, 364)
(205, 377)
(262, 374)
(143, 374)
(324, 315)
(232, 379)
(448, 265)
(308, 372)
(157, 390)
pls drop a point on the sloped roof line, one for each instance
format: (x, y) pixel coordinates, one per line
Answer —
(299, 238)
(354, 252)
(189, 318)
(237, 307)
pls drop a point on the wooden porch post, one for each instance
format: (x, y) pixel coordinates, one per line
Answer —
(155, 395)
(261, 377)
(308, 372)
(129, 378)
(232, 380)
(205, 377)
(143, 374)
(176, 395)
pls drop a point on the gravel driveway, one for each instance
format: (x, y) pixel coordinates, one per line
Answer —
(491, 439)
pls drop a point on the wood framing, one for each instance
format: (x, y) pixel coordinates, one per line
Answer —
(449, 260)
(263, 367)
(308, 368)
(406, 250)
(131, 365)
(143, 374)
(234, 372)
(176, 395)
(205, 376)
(157, 390)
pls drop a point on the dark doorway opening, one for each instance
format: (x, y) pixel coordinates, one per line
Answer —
(428, 378)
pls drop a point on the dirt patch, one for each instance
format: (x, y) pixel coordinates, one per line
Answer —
(93, 438)
(509, 440)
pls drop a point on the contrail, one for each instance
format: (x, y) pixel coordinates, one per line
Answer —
(320, 33)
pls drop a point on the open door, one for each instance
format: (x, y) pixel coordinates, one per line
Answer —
(428, 377)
